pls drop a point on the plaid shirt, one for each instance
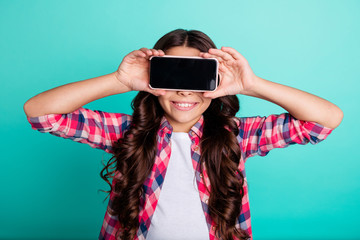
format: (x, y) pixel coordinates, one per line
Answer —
(257, 136)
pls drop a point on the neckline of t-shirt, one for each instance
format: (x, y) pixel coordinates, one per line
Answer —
(180, 135)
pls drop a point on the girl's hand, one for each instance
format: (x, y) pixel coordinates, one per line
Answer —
(133, 71)
(236, 76)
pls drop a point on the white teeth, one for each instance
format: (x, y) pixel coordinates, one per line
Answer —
(184, 105)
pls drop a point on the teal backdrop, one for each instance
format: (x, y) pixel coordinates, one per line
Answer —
(50, 186)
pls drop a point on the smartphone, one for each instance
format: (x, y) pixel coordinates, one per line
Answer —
(185, 73)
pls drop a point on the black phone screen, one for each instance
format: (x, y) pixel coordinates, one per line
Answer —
(181, 73)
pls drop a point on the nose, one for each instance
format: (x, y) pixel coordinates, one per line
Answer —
(185, 93)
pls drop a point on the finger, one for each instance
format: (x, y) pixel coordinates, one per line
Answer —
(161, 52)
(226, 56)
(155, 52)
(208, 55)
(148, 52)
(222, 68)
(145, 50)
(138, 53)
(235, 54)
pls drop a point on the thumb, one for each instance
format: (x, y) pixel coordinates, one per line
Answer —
(219, 92)
(156, 92)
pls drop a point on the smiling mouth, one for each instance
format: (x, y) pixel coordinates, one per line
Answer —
(184, 106)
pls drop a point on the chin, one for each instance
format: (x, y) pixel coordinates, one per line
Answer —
(184, 120)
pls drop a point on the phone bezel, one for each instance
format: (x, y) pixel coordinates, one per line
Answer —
(187, 57)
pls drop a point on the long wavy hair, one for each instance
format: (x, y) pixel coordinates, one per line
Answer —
(135, 153)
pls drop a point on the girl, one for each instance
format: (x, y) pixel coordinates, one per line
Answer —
(192, 138)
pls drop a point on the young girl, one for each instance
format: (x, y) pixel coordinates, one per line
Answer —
(178, 166)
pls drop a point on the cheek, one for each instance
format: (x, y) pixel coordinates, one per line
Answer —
(162, 101)
(206, 104)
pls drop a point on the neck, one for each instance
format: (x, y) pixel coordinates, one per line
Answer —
(180, 126)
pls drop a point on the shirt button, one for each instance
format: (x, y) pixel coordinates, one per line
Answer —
(206, 201)
(196, 148)
(201, 175)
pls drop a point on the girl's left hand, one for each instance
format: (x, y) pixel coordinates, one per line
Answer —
(236, 76)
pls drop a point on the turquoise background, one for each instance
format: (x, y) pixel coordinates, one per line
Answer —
(49, 186)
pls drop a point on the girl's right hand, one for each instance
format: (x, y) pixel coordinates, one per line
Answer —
(133, 71)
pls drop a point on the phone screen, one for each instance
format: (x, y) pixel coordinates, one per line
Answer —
(184, 73)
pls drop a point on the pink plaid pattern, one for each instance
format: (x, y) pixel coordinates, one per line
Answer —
(257, 136)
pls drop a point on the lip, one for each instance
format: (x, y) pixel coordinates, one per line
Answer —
(191, 106)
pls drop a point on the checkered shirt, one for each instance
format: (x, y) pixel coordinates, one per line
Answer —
(257, 136)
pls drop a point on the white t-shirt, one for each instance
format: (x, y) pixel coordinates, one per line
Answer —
(179, 214)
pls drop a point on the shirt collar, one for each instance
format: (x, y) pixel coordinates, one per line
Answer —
(197, 129)
(165, 125)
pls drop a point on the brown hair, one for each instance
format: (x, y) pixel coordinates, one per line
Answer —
(134, 154)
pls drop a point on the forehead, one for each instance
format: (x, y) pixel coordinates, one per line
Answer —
(183, 51)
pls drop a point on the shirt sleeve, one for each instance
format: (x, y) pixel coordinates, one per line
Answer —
(259, 135)
(96, 128)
